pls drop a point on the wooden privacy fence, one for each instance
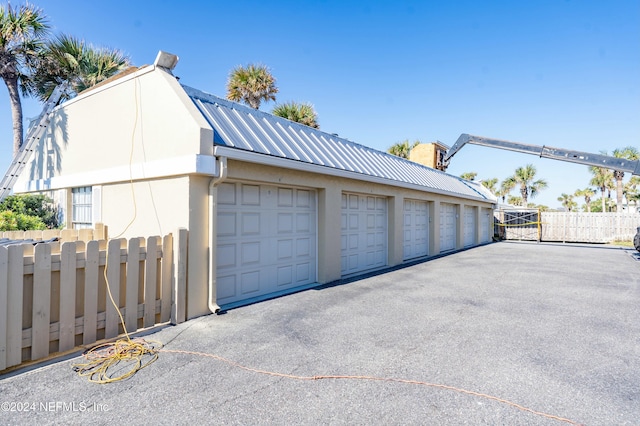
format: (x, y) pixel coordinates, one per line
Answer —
(53, 297)
(97, 233)
(589, 227)
(579, 227)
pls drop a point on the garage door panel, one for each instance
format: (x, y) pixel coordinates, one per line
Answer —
(226, 225)
(226, 256)
(303, 198)
(354, 221)
(416, 231)
(364, 239)
(285, 197)
(226, 286)
(227, 193)
(303, 247)
(285, 249)
(249, 282)
(469, 226)
(447, 227)
(285, 223)
(285, 275)
(250, 253)
(484, 233)
(266, 240)
(304, 272)
(371, 221)
(303, 223)
(250, 223)
(250, 195)
(371, 241)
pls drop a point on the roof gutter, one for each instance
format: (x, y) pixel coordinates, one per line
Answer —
(213, 233)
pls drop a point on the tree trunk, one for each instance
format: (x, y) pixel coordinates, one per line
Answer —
(16, 113)
(618, 176)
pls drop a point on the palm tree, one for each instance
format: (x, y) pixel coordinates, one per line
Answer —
(490, 184)
(524, 177)
(587, 193)
(630, 153)
(515, 201)
(631, 189)
(402, 149)
(82, 65)
(469, 176)
(251, 85)
(567, 201)
(506, 186)
(300, 113)
(602, 179)
(22, 34)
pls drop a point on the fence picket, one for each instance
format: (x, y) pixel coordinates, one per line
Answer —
(15, 292)
(150, 282)
(167, 278)
(179, 308)
(67, 296)
(4, 284)
(91, 279)
(133, 277)
(41, 312)
(113, 282)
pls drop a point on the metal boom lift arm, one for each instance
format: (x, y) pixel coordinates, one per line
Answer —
(585, 158)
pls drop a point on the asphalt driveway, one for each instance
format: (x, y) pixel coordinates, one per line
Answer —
(551, 328)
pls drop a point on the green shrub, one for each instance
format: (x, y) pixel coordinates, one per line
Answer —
(10, 221)
(38, 206)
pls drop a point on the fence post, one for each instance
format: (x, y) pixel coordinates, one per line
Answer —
(179, 308)
(91, 280)
(166, 290)
(67, 296)
(150, 282)
(112, 265)
(41, 303)
(4, 281)
(15, 291)
(133, 279)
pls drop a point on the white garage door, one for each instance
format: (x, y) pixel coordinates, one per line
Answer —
(469, 226)
(266, 240)
(364, 233)
(415, 229)
(447, 227)
(485, 225)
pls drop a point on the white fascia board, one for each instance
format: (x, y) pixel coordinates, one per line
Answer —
(285, 163)
(178, 166)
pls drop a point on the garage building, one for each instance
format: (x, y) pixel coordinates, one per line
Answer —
(271, 206)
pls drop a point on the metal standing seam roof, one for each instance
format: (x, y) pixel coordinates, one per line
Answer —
(248, 129)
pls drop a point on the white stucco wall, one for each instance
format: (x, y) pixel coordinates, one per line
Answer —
(141, 125)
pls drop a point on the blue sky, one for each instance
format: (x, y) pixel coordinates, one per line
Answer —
(560, 73)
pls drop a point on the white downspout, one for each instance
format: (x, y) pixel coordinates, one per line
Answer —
(213, 240)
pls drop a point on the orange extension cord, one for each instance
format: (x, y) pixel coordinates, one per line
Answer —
(374, 378)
